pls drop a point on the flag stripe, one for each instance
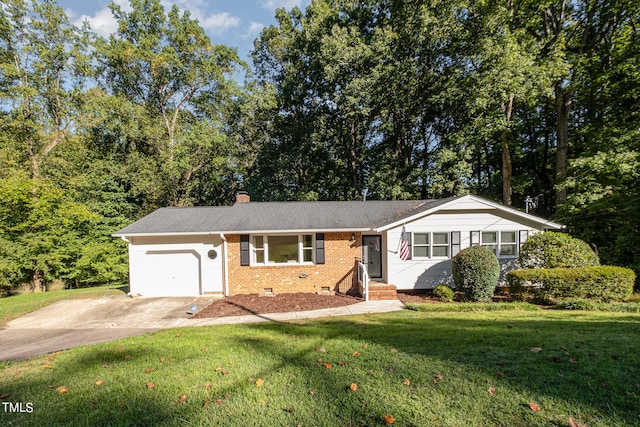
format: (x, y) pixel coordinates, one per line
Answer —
(404, 245)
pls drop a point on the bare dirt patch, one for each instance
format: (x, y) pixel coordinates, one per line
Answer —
(241, 305)
(418, 298)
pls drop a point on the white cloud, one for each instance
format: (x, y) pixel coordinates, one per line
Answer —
(253, 30)
(103, 22)
(218, 23)
(213, 23)
(276, 4)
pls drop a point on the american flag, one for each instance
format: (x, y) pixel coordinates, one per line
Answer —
(404, 245)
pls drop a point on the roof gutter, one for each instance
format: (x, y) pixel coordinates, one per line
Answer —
(200, 233)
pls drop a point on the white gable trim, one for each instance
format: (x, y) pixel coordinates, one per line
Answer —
(532, 218)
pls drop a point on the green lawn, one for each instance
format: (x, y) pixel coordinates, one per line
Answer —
(18, 305)
(421, 368)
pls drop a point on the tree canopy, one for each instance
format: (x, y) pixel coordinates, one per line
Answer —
(383, 99)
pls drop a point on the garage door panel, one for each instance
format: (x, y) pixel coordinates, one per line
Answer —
(170, 273)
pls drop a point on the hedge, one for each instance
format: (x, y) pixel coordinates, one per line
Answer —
(602, 283)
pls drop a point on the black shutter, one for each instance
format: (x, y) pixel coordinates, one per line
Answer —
(320, 248)
(244, 249)
(455, 243)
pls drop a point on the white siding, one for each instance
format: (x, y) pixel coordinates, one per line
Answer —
(427, 273)
(175, 266)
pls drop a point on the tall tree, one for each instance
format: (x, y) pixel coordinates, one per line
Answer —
(168, 66)
(39, 75)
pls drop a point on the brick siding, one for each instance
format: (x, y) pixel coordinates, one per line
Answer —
(338, 273)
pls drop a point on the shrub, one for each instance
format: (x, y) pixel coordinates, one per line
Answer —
(444, 293)
(475, 273)
(590, 305)
(556, 250)
(602, 283)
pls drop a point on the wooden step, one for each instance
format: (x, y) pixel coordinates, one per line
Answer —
(382, 291)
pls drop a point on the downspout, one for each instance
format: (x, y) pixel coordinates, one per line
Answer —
(224, 265)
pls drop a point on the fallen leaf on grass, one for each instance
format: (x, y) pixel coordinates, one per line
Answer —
(219, 402)
(183, 398)
(492, 390)
(162, 360)
(572, 360)
(259, 382)
(406, 381)
(389, 419)
(127, 357)
(322, 350)
(150, 385)
(62, 389)
(177, 335)
(341, 363)
(208, 386)
(356, 354)
(206, 404)
(148, 370)
(222, 370)
(572, 423)
(99, 382)
(288, 409)
(48, 367)
(353, 387)
(327, 365)
(439, 377)
(393, 350)
(312, 392)
(534, 407)
(205, 349)
(370, 372)
(365, 345)
(536, 349)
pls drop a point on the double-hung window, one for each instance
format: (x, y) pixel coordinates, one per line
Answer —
(282, 249)
(431, 245)
(502, 243)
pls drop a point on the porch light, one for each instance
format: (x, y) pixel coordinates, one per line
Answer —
(353, 237)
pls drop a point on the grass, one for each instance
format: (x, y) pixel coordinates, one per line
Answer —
(18, 305)
(421, 368)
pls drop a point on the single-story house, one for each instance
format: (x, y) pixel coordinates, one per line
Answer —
(279, 247)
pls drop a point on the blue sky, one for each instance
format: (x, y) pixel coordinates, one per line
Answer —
(234, 23)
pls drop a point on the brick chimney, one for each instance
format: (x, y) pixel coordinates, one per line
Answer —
(242, 197)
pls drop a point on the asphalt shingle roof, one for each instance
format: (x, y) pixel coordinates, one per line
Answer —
(278, 216)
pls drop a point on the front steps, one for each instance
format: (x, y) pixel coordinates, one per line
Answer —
(382, 291)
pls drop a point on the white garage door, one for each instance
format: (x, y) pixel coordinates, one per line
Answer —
(171, 274)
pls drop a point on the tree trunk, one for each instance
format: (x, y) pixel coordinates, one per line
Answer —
(563, 108)
(353, 153)
(36, 281)
(507, 168)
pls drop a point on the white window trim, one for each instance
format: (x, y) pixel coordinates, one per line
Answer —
(430, 245)
(499, 242)
(265, 249)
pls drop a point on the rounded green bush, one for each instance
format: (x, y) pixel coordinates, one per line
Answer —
(444, 293)
(475, 272)
(556, 250)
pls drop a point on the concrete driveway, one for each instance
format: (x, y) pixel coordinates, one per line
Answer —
(71, 323)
